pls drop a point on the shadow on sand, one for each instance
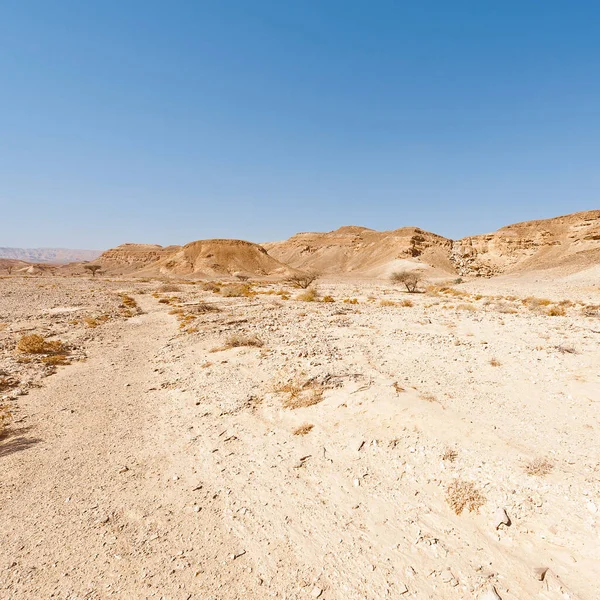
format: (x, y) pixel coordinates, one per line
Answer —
(16, 440)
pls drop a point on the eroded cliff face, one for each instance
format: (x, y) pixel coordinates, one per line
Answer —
(134, 256)
(571, 239)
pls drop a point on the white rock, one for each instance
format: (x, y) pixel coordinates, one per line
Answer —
(316, 592)
(501, 518)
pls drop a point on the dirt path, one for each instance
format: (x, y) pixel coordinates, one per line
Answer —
(91, 504)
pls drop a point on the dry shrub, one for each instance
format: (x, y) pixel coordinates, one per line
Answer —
(299, 393)
(504, 307)
(310, 295)
(303, 429)
(350, 300)
(591, 310)
(407, 303)
(387, 303)
(201, 308)
(237, 341)
(556, 311)
(36, 344)
(56, 360)
(169, 288)
(462, 494)
(328, 299)
(303, 280)
(237, 290)
(533, 303)
(210, 286)
(538, 467)
(450, 454)
(467, 307)
(495, 362)
(128, 301)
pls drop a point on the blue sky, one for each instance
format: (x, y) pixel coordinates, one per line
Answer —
(167, 122)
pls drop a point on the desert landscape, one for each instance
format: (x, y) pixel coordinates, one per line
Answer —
(232, 420)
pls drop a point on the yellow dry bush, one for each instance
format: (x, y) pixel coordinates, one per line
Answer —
(310, 295)
(462, 494)
(36, 344)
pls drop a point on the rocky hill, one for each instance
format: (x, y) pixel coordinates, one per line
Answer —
(572, 241)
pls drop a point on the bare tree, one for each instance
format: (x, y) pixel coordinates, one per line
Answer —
(303, 280)
(9, 268)
(410, 279)
(93, 269)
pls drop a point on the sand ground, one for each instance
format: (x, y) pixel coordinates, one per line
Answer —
(159, 464)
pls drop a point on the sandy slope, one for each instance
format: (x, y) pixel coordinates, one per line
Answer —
(221, 500)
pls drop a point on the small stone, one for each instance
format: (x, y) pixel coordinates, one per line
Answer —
(490, 594)
(447, 576)
(356, 482)
(238, 554)
(316, 592)
(124, 469)
(196, 508)
(501, 518)
(402, 589)
(540, 572)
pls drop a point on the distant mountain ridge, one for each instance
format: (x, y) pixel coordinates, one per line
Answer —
(49, 255)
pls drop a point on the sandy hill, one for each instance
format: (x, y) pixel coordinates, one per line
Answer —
(216, 257)
(11, 265)
(49, 255)
(364, 251)
(570, 241)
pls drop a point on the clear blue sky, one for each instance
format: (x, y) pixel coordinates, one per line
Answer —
(165, 122)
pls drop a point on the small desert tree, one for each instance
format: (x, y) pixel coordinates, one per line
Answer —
(410, 279)
(93, 269)
(303, 280)
(9, 268)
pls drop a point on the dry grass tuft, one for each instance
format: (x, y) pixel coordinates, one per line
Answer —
(407, 303)
(237, 341)
(237, 290)
(328, 299)
(495, 362)
(387, 303)
(450, 454)
(299, 393)
(128, 301)
(468, 307)
(350, 300)
(56, 360)
(556, 311)
(539, 467)
(303, 429)
(169, 288)
(36, 344)
(462, 494)
(310, 295)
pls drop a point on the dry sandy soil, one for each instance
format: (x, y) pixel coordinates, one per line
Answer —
(329, 462)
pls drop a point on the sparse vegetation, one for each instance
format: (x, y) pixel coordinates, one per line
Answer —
(495, 362)
(410, 279)
(36, 344)
(328, 299)
(303, 280)
(93, 269)
(450, 454)
(556, 311)
(237, 290)
(238, 340)
(538, 467)
(310, 295)
(462, 494)
(167, 288)
(303, 429)
(406, 303)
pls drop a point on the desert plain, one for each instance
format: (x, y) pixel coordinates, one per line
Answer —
(240, 438)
